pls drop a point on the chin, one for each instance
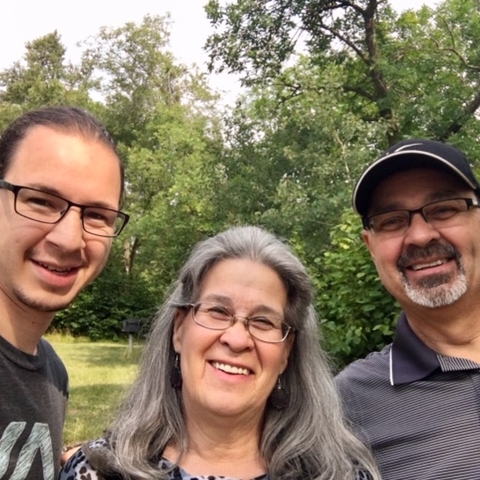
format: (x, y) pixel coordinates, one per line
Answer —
(44, 305)
(437, 291)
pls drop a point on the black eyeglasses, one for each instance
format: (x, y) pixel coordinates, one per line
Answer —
(441, 213)
(48, 208)
(266, 328)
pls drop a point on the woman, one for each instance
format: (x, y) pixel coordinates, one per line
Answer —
(233, 382)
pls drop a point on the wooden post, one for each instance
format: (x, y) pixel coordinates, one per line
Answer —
(130, 346)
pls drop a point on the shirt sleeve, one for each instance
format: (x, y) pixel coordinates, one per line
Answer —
(78, 467)
(363, 475)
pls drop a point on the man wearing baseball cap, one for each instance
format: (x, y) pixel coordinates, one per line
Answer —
(417, 402)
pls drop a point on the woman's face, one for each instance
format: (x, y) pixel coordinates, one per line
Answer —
(229, 373)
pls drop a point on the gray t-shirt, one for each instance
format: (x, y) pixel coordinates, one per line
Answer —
(33, 398)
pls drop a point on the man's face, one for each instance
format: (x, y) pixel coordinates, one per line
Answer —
(426, 265)
(43, 267)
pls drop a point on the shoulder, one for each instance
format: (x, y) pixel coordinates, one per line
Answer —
(45, 349)
(78, 467)
(362, 382)
(374, 367)
(54, 365)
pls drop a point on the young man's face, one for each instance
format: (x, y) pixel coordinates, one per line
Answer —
(430, 266)
(43, 267)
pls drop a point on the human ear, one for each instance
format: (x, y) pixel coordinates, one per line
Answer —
(178, 323)
(288, 348)
(367, 238)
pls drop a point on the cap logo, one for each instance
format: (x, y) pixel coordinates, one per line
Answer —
(403, 147)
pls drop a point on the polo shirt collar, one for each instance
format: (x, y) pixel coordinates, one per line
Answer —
(410, 358)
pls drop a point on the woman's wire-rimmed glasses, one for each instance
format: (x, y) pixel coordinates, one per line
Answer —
(266, 328)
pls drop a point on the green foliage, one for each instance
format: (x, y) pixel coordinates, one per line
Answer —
(291, 161)
(43, 78)
(357, 314)
(257, 37)
(417, 71)
(100, 309)
(164, 119)
(137, 77)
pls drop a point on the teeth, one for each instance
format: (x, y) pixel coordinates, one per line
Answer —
(231, 369)
(55, 269)
(428, 265)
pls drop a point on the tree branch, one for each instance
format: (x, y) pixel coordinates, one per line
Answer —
(458, 124)
(346, 41)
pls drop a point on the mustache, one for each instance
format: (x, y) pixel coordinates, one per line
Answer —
(413, 253)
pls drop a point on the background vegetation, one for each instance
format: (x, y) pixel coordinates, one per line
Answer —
(330, 85)
(99, 374)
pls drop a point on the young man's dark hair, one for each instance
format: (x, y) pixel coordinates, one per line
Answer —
(61, 118)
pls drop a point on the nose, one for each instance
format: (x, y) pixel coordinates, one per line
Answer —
(237, 337)
(420, 232)
(68, 234)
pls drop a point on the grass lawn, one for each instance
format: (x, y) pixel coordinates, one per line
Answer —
(99, 375)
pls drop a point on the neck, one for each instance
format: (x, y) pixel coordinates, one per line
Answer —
(21, 326)
(453, 330)
(221, 447)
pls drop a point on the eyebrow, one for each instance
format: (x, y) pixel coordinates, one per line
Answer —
(227, 301)
(47, 189)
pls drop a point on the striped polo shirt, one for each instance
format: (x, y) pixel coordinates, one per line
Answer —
(418, 410)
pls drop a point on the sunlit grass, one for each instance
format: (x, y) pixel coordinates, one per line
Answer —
(99, 376)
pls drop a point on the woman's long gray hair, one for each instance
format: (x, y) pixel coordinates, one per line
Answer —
(309, 439)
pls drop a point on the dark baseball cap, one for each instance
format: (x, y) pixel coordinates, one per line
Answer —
(408, 154)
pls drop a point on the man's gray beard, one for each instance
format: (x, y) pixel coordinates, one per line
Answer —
(434, 290)
(438, 290)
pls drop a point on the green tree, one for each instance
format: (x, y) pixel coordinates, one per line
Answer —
(291, 161)
(166, 125)
(164, 119)
(43, 78)
(312, 121)
(100, 309)
(417, 71)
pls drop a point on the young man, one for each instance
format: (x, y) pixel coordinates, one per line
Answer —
(61, 183)
(417, 402)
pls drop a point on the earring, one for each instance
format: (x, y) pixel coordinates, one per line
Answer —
(176, 374)
(279, 398)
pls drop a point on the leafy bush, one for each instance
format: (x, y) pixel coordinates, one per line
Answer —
(357, 315)
(100, 309)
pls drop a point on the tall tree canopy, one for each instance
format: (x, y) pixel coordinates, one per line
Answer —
(418, 71)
